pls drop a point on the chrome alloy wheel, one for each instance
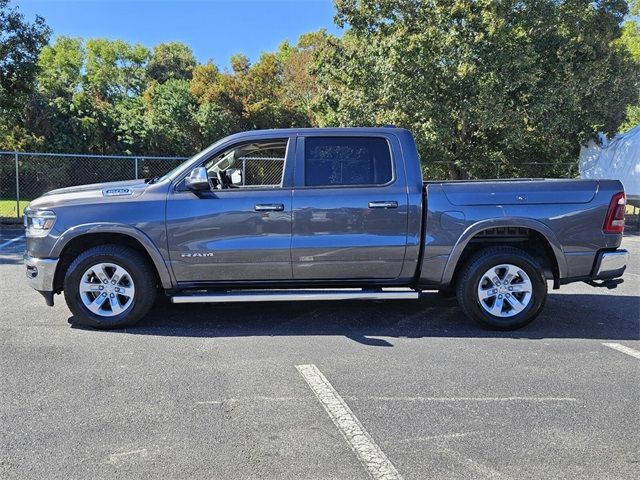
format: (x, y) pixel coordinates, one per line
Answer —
(106, 289)
(504, 290)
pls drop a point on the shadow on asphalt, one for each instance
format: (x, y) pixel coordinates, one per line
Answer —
(564, 316)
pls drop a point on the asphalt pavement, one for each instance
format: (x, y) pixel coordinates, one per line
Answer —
(351, 390)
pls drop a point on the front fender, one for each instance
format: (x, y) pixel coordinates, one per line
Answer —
(477, 227)
(123, 229)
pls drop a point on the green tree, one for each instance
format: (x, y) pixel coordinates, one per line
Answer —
(115, 69)
(212, 123)
(171, 60)
(251, 96)
(55, 114)
(20, 45)
(60, 67)
(131, 129)
(299, 86)
(89, 96)
(170, 110)
(483, 85)
(630, 40)
(114, 77)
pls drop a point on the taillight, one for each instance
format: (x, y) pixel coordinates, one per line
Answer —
(614, 222)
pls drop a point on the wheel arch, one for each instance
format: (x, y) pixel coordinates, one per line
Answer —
(461, 249)
(83, 237)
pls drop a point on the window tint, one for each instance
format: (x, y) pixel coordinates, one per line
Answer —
(255, 164)
(346, 161)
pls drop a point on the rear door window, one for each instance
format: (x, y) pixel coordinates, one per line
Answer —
(347, 161)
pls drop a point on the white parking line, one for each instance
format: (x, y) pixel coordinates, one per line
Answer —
(9, 242)
(116, 456)
(364, 446)
(623, 349)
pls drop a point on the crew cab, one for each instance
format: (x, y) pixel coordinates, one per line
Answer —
(320, 214)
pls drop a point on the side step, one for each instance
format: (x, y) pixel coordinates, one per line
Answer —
(297, 295)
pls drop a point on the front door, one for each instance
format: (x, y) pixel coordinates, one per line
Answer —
(241, 229)
(350, 209)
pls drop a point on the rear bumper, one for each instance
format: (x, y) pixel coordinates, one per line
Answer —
(40, 272)
(610, 265)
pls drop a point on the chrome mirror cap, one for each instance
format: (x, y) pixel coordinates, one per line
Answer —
(198, 180)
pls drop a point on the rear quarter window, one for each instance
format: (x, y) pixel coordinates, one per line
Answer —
(344, 161)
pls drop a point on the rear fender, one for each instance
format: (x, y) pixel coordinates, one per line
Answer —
(477, 227)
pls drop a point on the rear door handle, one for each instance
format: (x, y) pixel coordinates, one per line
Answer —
(384, 204)
(269, 207)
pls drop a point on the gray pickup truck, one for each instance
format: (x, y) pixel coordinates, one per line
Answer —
(320, 214)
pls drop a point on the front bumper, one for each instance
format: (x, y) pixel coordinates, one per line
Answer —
(610, 265)
(40, 272)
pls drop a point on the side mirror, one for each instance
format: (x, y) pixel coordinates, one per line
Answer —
(198, 180)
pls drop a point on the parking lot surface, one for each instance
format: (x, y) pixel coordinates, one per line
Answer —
(400, 389)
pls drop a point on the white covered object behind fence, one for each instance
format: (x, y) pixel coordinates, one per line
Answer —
(618, 159)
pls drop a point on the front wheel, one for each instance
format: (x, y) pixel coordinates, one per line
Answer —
(109, 286)
(502, 287)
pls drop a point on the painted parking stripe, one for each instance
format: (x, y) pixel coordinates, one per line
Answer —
(623, 349)
(9, 242)
(364, 446)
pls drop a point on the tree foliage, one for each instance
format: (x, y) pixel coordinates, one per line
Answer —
(630, 40)
(173, 60)
(481, 83)
(256, 95)
(104, 96)
(20, 45)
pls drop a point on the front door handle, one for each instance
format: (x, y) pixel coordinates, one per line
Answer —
(269, 207)
(383, 204)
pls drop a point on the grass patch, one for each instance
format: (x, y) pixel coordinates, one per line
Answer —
(8, 208)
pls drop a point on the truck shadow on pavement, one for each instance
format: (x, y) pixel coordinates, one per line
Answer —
(565, 316)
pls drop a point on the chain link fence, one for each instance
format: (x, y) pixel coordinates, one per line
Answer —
(27, 175)
(436, 170)
(262, 171)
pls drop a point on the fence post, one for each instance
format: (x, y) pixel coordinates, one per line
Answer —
(497, 170)
(17, 187)
(136, 166)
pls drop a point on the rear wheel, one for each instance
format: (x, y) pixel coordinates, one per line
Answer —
(109, 286)
(502, 287)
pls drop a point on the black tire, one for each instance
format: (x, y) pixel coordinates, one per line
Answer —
(472, 274)
(138, 268)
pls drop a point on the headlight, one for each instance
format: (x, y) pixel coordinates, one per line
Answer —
(38, 223)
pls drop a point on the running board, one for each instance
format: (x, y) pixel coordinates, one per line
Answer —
(297, 295)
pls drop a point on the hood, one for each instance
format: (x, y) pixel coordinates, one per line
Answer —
(93, 193)
(107, 186)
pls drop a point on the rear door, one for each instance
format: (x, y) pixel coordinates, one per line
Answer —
(350, 208)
